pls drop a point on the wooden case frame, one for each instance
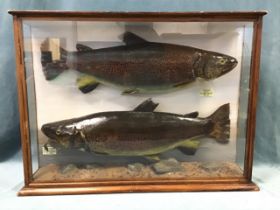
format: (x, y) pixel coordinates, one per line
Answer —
(161, 185)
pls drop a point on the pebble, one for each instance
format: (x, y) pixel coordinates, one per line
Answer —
(211, 166)
(68, 168)
(92, 166)
(135, 167)
(166, 166)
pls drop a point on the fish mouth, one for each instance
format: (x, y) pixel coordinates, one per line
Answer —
(46, 129)
(49, 131)
(233, 63)
(229, 66)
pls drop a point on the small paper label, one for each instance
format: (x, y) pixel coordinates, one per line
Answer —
(49, 151)
(207, 92)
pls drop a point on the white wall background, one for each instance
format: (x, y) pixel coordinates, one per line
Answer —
(60, 99)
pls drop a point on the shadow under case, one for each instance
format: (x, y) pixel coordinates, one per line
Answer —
(127, 102)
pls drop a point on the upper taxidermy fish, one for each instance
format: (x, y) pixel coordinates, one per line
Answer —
(140, 132)
(139, 65)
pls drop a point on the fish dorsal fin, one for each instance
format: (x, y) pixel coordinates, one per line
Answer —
(131, 38)
(83, 48)
(191, 115)
(146, 106)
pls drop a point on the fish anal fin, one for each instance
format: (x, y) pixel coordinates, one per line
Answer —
(146, 106)
(131, 38)
(83, 48)
(191, 115)
(152, 158)
(189, 147)
(86, 83)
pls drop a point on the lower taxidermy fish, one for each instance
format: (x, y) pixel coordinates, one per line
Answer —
(140, 132)
(139, 65)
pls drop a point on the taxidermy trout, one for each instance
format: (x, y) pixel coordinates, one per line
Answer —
(139, 65)
(140, 132)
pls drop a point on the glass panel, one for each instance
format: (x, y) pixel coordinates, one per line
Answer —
(191, 79)
(33, 129)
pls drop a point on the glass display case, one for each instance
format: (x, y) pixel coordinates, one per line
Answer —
(135, 102)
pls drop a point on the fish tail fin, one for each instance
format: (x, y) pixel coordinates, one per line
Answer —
(52, 68)
(221, 124)
(63, 54)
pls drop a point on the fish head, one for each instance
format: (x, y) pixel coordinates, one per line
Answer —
(217, 64)
(61, 135)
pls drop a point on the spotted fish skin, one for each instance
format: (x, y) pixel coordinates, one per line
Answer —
(144, 66)
(137, 133)
(150, 65)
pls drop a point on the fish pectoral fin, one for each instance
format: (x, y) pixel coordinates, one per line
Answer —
(153, 158)
(131, 38)
(86, 83)
(146, 106)
(83, 48)
(189, 147)
(130, 91)
(46, 147)
(191, 115)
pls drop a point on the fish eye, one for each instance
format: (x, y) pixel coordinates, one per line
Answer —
(58, 131)
(222, 61)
